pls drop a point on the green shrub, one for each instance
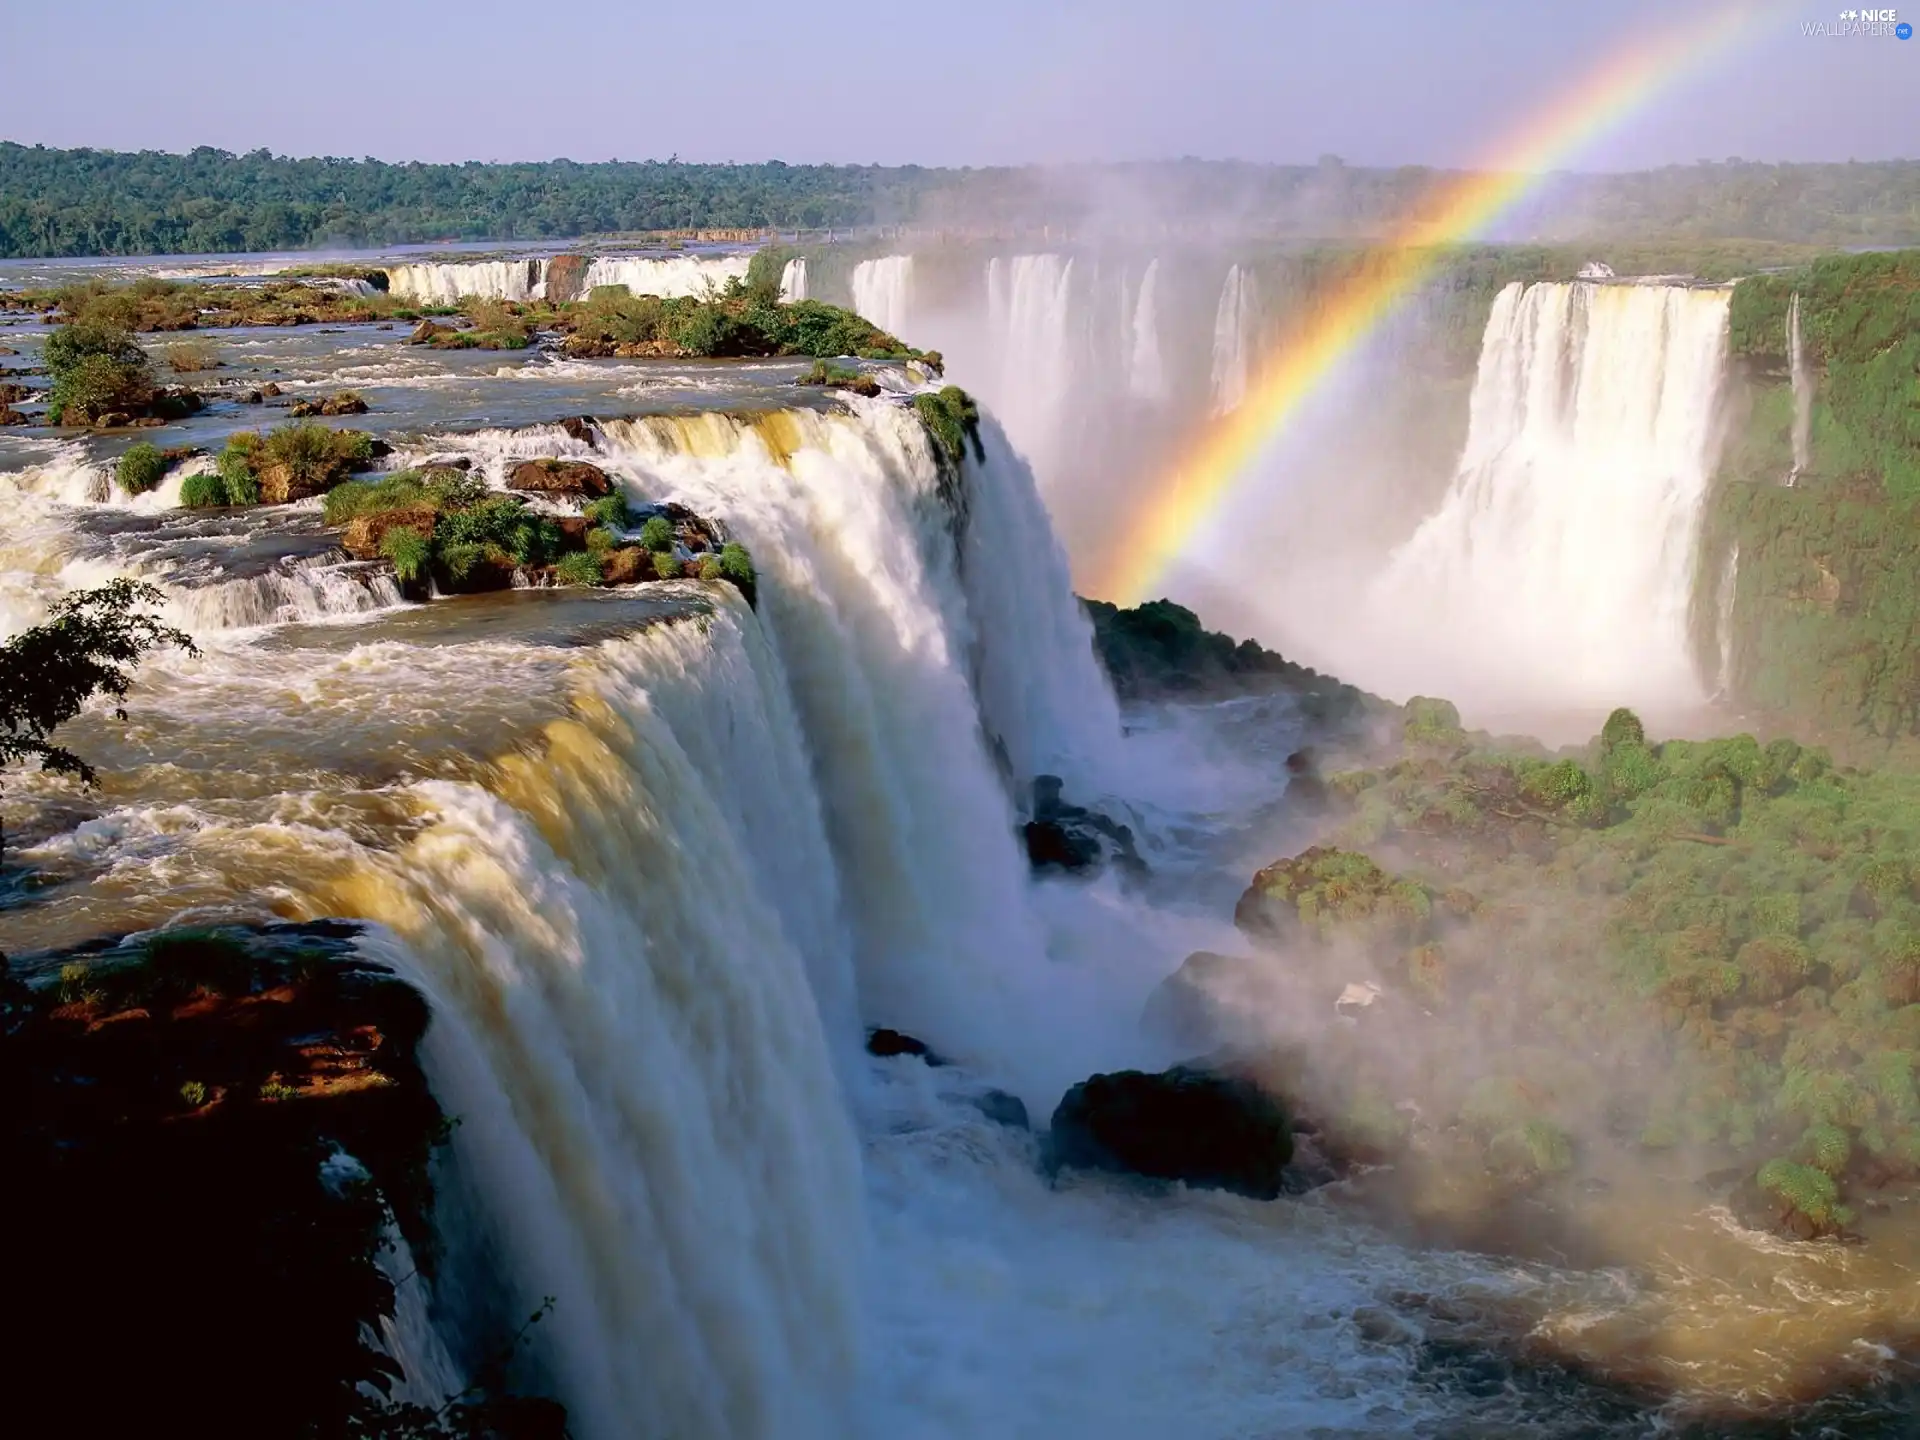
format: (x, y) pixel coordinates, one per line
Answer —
(410, 552)
(736, 565)
(610, 510)
(579, 568)
(1431, 722)
(141, 468)
(499, 523)
(952, 421)
(1622, 727)
(202, 491)
(70, 345)
(665, 566)
(1810, 1191)
(193, 1094)
(657, 534)
(710, 568)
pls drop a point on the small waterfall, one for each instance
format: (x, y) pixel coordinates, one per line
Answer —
(289, 592)
(1146, 371)
(1802, 377)
(1723, 623)
(883, 291)
(440, 284)
(1233, 331)
(669, 278)
(793, 280)
(1563, 553)
(1030, 319)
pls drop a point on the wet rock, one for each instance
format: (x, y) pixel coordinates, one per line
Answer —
(566, 278)
(186, 1094)
(1210, 1130)
(627, 565)
(574, 478)
(888, 1043)
(112, 420)
(426, 332)
(1307, 793)
(1072, 838)
(1003, 1109)
(344, 403)
(364, 534)
(10, 416)
(253, 397)
(270, 390)
(580, 427)
(9, 393)
(1208, 1001)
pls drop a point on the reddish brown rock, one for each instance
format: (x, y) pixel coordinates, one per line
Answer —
(559, 477)
(364, 533)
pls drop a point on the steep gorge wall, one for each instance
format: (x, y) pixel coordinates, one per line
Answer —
(1822, 628)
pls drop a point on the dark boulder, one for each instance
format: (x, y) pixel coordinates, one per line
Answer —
(1003, 1109)
(580, 427)
(1072, 838)
(1211, 1130)
(888, 1043)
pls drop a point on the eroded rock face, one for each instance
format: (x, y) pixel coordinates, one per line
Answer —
(193, 1098)
(364, 533)
(1205, 1128)
(572, 478)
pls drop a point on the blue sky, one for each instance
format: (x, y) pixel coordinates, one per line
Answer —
(974, 82)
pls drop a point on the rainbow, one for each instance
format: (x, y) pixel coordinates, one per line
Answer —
(1221, 461)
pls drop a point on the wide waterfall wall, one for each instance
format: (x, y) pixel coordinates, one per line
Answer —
(671, 276)
(883, 290)
(652, 928)
(484, 279)
(676, 276)
(1558, 568)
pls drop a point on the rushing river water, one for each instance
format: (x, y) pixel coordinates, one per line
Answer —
(656, 858)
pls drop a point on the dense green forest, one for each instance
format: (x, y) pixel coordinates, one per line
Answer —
(100, 202)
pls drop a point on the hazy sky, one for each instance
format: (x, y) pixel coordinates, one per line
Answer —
(974, 82)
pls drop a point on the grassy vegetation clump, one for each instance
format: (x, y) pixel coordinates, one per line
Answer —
(953, 423)
(191, 357)
(292, 462)
(1740, 921)
(141, 468)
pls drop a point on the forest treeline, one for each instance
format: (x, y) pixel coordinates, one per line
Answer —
(101, 202)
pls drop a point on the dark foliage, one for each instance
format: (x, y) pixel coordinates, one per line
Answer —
(88, 646)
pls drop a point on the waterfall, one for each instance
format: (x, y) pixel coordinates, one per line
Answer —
(793, 280)
(1723, 623)
(1146, 371)
(1233, 328)
(630, 937)
(1562, 554)
(441, 284)
(674, 276)
(883, 290)
(1030, 319)
(1802, 377)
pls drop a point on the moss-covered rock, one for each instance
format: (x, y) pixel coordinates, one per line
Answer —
(573, 479)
